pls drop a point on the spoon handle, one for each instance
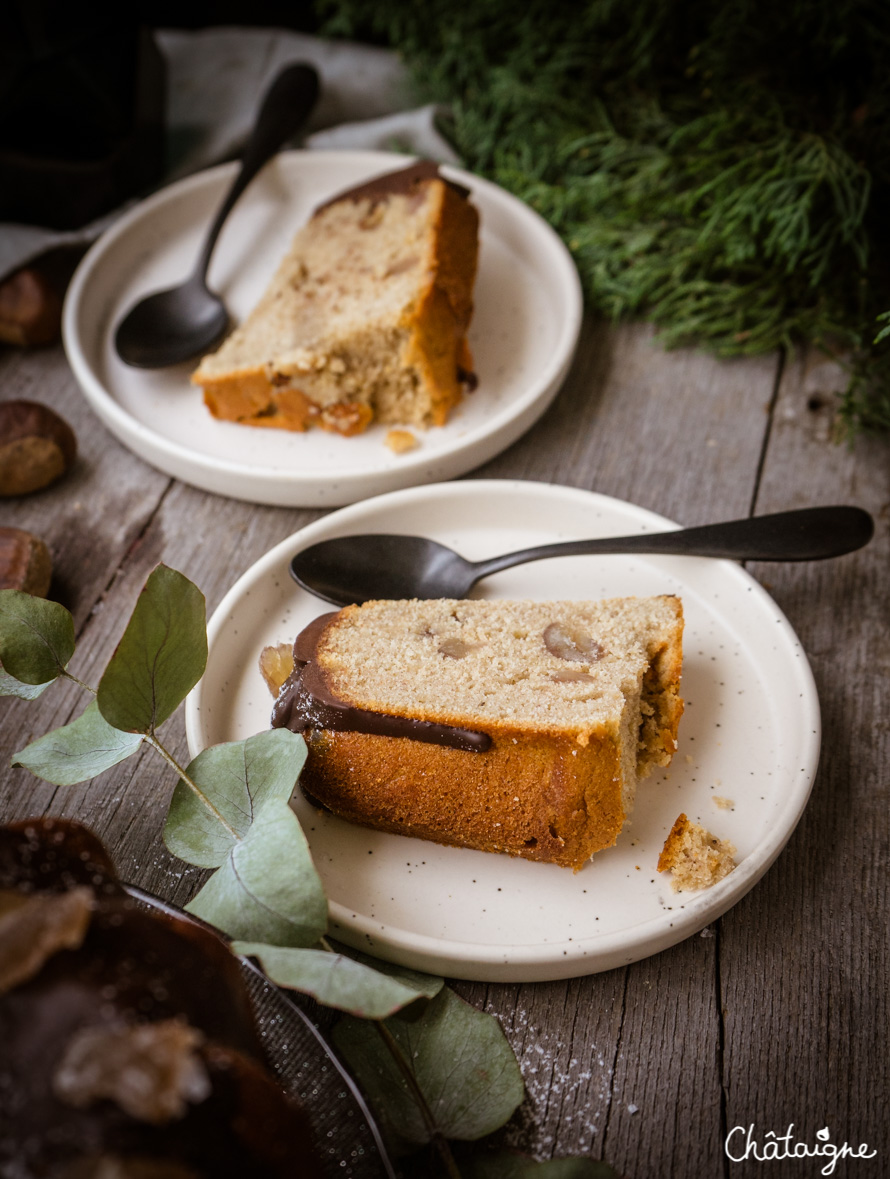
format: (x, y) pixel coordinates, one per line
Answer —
(286, 104)
(809, 534)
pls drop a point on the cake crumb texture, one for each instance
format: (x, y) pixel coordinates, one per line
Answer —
(580, 700)
(400, 441)
(365, 319)
(694, 857)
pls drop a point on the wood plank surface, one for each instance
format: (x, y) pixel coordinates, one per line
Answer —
(804, 958)
(638, 1065)
(778, 1012)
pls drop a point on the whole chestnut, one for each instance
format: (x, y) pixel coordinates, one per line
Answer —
(36, 447)
(25, 563)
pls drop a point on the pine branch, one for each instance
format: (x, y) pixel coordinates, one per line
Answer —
(716, 169)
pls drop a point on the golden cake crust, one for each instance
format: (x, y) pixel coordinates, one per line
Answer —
(538, 797)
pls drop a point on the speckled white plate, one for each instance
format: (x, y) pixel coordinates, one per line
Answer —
(750, 735)
(523, 336)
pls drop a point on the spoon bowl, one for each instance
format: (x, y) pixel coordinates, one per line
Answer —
(361, 568)
(173, 326)
(179, 323)
(356, 569)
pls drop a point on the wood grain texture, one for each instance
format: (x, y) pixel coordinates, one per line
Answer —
(777, 1013)
(804, 957)
(91, 518)
(634, 422)
(677, 432)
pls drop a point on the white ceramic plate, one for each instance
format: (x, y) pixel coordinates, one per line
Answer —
(523, 336)
(750, 734)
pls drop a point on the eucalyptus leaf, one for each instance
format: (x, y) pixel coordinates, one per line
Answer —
(460, 1058)
(505, 1164)
(267, 888)
(427, 985)
(36, 637)
(332, 979)
(237, 778)
(161, 656)
(13, 687)
(78, 751)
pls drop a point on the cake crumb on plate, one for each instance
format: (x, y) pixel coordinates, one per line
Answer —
(400, 441)
(694, 857)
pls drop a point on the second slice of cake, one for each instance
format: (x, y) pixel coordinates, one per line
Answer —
(518, 727)
(366, 317)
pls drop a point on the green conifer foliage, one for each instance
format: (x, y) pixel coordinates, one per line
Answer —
(722, 170)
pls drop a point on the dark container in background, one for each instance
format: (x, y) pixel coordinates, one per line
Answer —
(81, 113)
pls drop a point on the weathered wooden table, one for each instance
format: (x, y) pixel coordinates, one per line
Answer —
(778, 1013)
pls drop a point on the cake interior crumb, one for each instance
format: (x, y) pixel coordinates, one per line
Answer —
(695, 858)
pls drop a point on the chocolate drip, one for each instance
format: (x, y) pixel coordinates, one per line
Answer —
(467, 378)
(307, 640)
(306, 702)
(404, 182)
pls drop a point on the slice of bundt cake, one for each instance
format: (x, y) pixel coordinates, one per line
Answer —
(366, 317)
(519, 727)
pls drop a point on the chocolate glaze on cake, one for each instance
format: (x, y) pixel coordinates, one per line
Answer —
(405, 182)
(306, 702)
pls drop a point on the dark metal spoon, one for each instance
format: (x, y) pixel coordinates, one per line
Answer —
(350, 569)
(172, 326)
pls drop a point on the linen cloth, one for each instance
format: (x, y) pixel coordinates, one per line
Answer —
(215, 81)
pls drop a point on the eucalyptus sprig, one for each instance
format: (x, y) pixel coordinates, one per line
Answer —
(433, 1067)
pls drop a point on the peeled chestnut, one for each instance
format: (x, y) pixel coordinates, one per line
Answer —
(572, 643)
(36, 447)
